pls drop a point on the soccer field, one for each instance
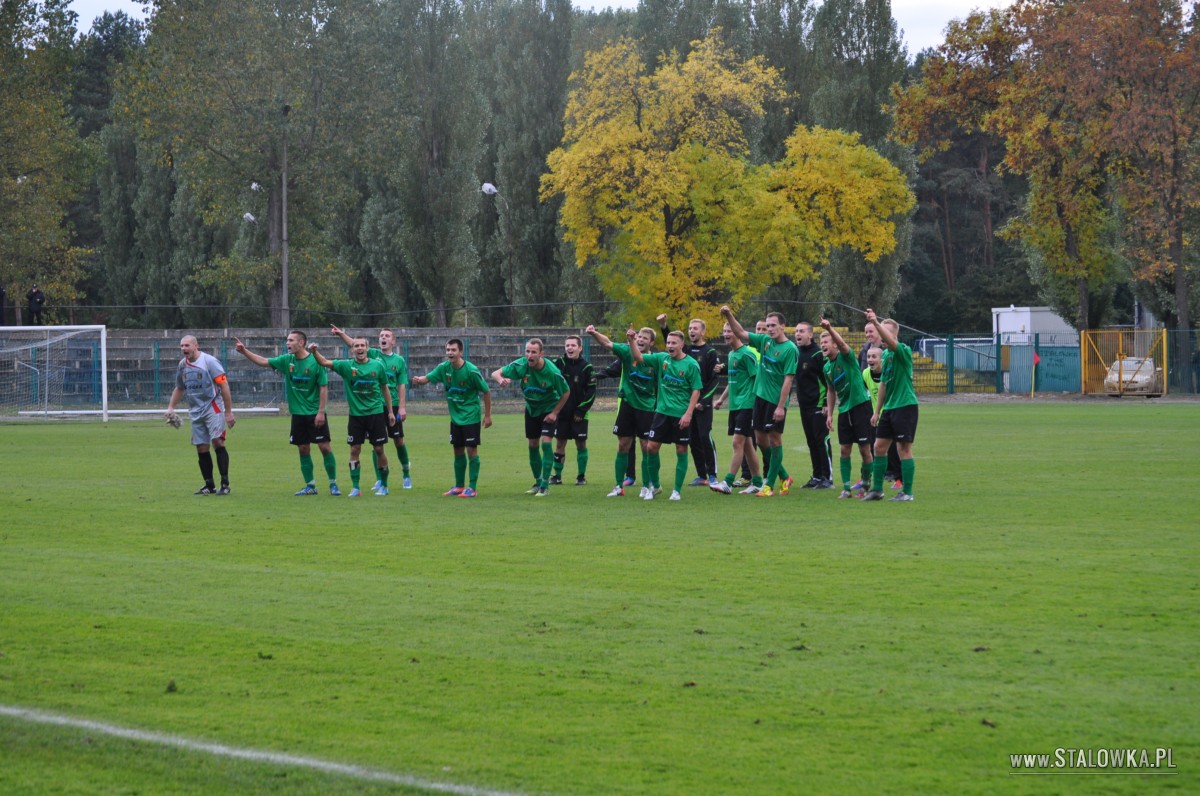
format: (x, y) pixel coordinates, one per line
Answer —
(1041, 593)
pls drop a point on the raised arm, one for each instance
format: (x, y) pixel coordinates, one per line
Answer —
(321, 360)
(885, 334)
(340, 333)
(634, 350)
(837, 338)
(734, 326)
(600, 338)
(257, 359)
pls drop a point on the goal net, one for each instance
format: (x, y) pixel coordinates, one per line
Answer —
(53, 370)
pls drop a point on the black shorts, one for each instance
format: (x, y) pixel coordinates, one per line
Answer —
(665, 429)
(536, 426)
(632, 422)
(367, 428)
(568, 427)
(854, 426)
(396, 431)
(305, 430)
(741, 421)
(465, 436)
(898, 424)
(764, 416)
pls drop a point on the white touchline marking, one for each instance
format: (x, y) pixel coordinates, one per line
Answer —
(254, 755)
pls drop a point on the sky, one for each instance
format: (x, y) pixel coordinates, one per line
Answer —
(921, 21)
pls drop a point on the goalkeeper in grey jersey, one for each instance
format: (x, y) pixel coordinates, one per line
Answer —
(201, 378)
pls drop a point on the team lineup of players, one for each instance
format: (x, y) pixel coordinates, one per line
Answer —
(665, 398)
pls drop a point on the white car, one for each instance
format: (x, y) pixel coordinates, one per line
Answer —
(1134, 376)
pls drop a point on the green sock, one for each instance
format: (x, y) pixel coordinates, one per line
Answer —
(765, 452)
(375, 464)
(355, 472)
(845, 466)
(655, 461)
(330, 466)
(460, 470)
(757, 481)
(908, 467)
(474, 464)
(547, 462)
(681, 468)
(729, 479)
(581, 459)
(647, 472)
(877, 473)
(620, 466)
(776, 465)
(865, 473)
(402, 452)
(306, 468)
(560, 461)
(535, 464)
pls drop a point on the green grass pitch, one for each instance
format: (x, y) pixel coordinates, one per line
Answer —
(1041, 593)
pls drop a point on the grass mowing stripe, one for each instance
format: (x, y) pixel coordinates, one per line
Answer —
(252, 755)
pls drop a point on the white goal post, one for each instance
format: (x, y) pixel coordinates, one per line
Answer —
(50, 370)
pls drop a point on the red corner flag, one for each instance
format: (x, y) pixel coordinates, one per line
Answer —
(1036, 359)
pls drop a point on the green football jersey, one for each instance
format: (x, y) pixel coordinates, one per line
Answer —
(396, 369)
(364, 385)
(303, 380)
(898, 377)
(677, 378)
(779, 360)
(843, 374)
(743, 372)
(463, 387)
(639, 383)
(542, 388)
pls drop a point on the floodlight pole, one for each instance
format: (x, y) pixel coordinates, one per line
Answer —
(286, 312)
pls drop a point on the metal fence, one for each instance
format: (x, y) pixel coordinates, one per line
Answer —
(141, 364)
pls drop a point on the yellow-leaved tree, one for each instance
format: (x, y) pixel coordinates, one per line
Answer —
(659, 194)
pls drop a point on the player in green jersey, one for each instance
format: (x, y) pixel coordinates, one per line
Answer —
(845, 388)
(679, 384)
(742, 367)
(370, 403)
(306, 385)
(897, 418)
(638, 393)
(397, 374)
(464, 385)
(776, 371)
(545, 392)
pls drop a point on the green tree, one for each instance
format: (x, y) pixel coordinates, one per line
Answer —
(529, 66)
(296, 79)
(858, 56)
(659, 193)
(440, 113)
(42, 160)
